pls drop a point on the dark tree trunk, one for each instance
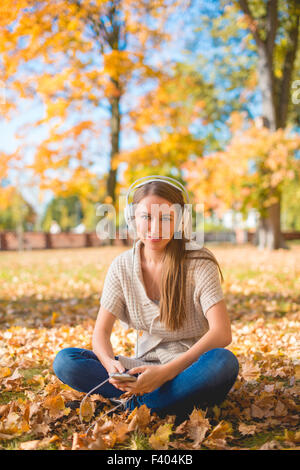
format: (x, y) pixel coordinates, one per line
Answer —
(115, 121)
(269, 230)
(116, 39)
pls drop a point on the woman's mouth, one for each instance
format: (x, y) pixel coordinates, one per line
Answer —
(154, 239)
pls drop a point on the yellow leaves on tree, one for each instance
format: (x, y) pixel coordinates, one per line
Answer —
(76, 57)
(117, 66)
(255, 166)
(172, 150)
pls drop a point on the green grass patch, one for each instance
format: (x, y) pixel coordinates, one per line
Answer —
(9, 396)
(29, 373)
(257, 440)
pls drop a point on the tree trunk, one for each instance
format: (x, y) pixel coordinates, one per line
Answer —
(269, 230)
(115, 145)
(265, 83)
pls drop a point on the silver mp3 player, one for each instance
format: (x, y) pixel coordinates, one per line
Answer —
(123, 377)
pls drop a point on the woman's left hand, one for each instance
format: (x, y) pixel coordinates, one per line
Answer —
(150, 378)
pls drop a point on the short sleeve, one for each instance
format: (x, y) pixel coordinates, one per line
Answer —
(209, 285)
(112, 297)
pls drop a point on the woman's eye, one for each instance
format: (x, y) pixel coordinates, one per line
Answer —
(166, 219)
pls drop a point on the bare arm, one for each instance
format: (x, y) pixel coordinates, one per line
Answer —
(101, 341)
(218, 336)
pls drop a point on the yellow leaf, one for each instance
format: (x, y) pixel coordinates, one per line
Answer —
(55, 405)
(4, 372)
(87, 410)
(55, 315)
(221, 431)
(297, 371)
(160, 439)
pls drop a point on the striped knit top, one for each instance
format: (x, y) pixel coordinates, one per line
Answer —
(126, 298)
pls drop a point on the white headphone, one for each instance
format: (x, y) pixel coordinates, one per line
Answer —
(186, 216)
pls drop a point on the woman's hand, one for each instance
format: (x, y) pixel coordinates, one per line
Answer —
(150, 378)
(113, 365)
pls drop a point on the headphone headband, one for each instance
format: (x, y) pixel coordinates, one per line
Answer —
(158, 178)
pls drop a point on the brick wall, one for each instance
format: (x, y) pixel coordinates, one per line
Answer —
(42, 240)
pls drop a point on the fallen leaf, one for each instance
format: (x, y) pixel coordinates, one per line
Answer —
(250, 371)
(271, 445)
(87, 410)
(56, 406)
(37, 444)
(160, 439)
(197, 427)
(257, 412)
(247, 429)
(4, 372)
(139, 418)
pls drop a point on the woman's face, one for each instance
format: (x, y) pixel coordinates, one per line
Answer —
(155, 221)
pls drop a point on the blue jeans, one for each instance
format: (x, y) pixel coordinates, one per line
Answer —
(204, 383)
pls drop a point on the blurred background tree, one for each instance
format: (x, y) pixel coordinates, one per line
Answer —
(254, 48)
(19, 213)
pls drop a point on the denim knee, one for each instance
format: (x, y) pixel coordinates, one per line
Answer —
(228, 360)
(63, 361)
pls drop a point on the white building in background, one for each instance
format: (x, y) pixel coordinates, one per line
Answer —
(79, 229)
(233, 220)
(54, 227)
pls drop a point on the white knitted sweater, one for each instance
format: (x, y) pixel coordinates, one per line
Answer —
(127, 300)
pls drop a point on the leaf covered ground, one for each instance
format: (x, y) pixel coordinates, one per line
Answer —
(49, 300)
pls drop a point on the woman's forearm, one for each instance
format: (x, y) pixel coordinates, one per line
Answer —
(102, 347)
(212, 339)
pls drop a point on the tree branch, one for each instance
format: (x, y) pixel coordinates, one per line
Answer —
(271, 26)
(251, 22)
(288, 68)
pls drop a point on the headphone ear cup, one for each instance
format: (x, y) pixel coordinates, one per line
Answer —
(187, 223)
(125, 215)
(129, 215)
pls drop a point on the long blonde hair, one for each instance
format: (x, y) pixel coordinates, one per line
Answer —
(173, 280)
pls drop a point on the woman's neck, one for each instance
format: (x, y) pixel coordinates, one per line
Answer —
(152, 258)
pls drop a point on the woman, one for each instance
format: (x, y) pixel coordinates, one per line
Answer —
(175, 299)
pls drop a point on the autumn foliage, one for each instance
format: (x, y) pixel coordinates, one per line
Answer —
(251, 172)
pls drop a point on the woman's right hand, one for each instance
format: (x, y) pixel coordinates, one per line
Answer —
(113, 365)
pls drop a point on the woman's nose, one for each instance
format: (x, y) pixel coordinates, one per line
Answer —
(155, 227)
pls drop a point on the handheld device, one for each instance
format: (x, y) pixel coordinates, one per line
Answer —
(123, 377)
